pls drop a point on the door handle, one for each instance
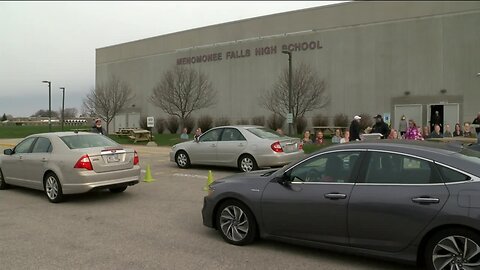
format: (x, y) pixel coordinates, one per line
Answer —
(240, 145)
(213, 145)
(20, 157)
(44, 159)
(335, 196)
(425, 200)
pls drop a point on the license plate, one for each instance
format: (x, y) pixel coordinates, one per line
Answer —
(112, 158)
(289, 147)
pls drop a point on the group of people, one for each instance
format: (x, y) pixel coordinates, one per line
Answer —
(185, 137)
(319, 138)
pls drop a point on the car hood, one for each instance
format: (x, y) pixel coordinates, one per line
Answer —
(261, 175)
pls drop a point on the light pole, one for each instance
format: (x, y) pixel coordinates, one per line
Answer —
(49, 105)
(63, 106)
(289, 89)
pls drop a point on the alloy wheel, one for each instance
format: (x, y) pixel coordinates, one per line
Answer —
(182, 159)
(456, 252)
(51, 187)
(246, 164)
(234, 223)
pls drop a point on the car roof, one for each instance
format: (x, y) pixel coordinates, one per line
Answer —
(240, 126)
(60, 134)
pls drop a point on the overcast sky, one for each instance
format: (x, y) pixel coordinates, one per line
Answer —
(56, 41)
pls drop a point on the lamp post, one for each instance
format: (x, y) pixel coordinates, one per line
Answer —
(49, 105)
(63, 106)
(289, 89)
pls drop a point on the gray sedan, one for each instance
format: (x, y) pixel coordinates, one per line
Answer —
(67, 163)
(245, 147)
(413, 202)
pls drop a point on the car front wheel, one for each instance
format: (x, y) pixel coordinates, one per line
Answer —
(53, 188)
(3, 184)
(453, 249)
(236, 223)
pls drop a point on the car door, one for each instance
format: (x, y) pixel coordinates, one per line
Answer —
(397, 196)
(204, 151)
(13, 166)
(231, 145)
(36, 162)
(314, 205)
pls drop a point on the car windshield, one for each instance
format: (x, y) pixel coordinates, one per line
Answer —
(87, 141)
(265, 133)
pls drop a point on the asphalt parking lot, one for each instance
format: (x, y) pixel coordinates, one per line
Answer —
(154, 225)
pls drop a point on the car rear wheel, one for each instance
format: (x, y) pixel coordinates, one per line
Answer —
(53, 188)
(236, 223)
(453, 249)
(247, 163)
(182, 159)
(3, 184)
(118, 189)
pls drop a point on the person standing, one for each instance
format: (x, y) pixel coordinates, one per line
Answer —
(436, 120)
(337, 137)
(402, 126)
(319, 138)
(380, 127)
(447, 133)
(346, 137)
(306, 137)
(412, 131)
(198, 133)
(184, 135)
(97, 128)
(458, 131)
(436, 132)
(467, 132)
(355, 129)
(476, 121)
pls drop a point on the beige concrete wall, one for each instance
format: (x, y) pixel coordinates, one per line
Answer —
(372, 53)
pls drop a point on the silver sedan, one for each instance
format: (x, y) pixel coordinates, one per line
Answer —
(245, 147)
(69, 162)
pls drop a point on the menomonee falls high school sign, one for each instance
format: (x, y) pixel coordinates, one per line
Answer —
(243, 53)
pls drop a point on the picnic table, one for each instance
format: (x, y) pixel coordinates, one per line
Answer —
(140, 135)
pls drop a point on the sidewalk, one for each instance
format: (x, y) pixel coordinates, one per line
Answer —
(9, 142)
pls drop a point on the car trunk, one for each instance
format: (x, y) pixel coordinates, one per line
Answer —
(290, 145)
(107, 159)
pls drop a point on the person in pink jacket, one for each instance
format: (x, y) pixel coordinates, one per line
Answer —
(412, 131)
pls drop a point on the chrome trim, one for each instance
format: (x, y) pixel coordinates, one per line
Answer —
(390, 184)
(320, 183)
(399, 153)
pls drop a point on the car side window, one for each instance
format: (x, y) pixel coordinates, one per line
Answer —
(24, 146)
(211, 136)
(331, 167)
(232, 134)
(451, 176)
(389, 168)
(42, 145)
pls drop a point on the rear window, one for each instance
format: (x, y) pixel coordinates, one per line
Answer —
(87, 141)
(265, 133)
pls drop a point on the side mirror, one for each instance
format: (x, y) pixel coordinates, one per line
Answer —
(283, 180)
(8, 152)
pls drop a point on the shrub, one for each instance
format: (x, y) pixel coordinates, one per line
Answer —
(258, 120)
(172, 124)
(205, 122)
(341, 120)
(189, 123)
(222, 121)
(160, 125)
(319, 120)
(276, 121)
(300, 124)
(242, 122)
(366, 121)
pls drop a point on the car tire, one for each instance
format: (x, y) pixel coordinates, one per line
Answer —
(451, 248)
(182, 159)
(246, 163)
(3, 184)
(53, 188)
(118, 189)
(236, 223)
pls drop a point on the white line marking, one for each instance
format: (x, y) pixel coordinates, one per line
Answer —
(190, 175)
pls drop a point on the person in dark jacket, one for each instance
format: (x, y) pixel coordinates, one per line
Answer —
(355, 129)
(476, 121)
(380, 127)
(97, 128)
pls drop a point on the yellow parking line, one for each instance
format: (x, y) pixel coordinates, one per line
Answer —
(6, 144)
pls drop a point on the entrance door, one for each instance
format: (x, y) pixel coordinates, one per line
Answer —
(451, 115)
(411, 111)
(436, 117)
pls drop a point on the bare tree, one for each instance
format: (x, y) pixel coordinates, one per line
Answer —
(69, 112)
(108, 99)
(308, 93)
(183, 90)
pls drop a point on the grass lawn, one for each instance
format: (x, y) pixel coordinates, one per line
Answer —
(13, 131)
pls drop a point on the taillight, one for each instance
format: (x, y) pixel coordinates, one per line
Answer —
(136, 160)
(84, 163)
(300, 146)
(276, 147)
